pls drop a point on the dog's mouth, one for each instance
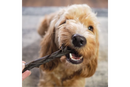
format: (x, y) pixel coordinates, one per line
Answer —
(74, 57)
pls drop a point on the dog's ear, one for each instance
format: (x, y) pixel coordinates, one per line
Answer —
(45, 23)
(48, 45)
(90, 65)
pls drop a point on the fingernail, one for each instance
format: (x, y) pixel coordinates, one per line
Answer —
(21, 66)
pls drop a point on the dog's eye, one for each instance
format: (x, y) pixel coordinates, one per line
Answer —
(90, 28)
(63, 22)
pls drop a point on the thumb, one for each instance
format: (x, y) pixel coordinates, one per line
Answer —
(21, 65)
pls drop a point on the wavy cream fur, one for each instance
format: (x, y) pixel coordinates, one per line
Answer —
(61, 73)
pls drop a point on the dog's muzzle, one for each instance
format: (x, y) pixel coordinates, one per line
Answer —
(78, 40)
(74, 57)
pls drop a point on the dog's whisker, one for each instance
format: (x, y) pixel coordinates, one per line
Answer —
(76, 28)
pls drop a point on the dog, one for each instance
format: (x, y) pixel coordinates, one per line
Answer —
(76, 27)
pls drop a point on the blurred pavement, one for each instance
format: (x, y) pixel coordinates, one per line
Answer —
(31, 44)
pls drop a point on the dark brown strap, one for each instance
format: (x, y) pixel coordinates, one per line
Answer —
(45, 59)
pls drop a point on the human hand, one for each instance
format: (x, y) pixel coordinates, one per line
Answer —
(26, 73)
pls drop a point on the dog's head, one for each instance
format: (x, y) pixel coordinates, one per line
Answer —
(75, 27)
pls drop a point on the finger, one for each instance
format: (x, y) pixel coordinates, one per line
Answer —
(25, 74)
(20, 61)
(21, 65)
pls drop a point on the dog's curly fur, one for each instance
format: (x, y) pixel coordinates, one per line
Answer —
(57, 29)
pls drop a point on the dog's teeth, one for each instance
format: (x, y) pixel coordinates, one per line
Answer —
(81, 57)
(73, 58)
(70, 55)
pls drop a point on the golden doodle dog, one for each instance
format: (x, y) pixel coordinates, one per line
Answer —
(76, 27)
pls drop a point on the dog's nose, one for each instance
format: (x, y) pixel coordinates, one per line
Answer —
(78, 40)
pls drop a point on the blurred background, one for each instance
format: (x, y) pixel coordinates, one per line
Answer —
(34, 10)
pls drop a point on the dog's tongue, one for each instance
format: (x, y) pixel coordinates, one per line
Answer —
(75, 56)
